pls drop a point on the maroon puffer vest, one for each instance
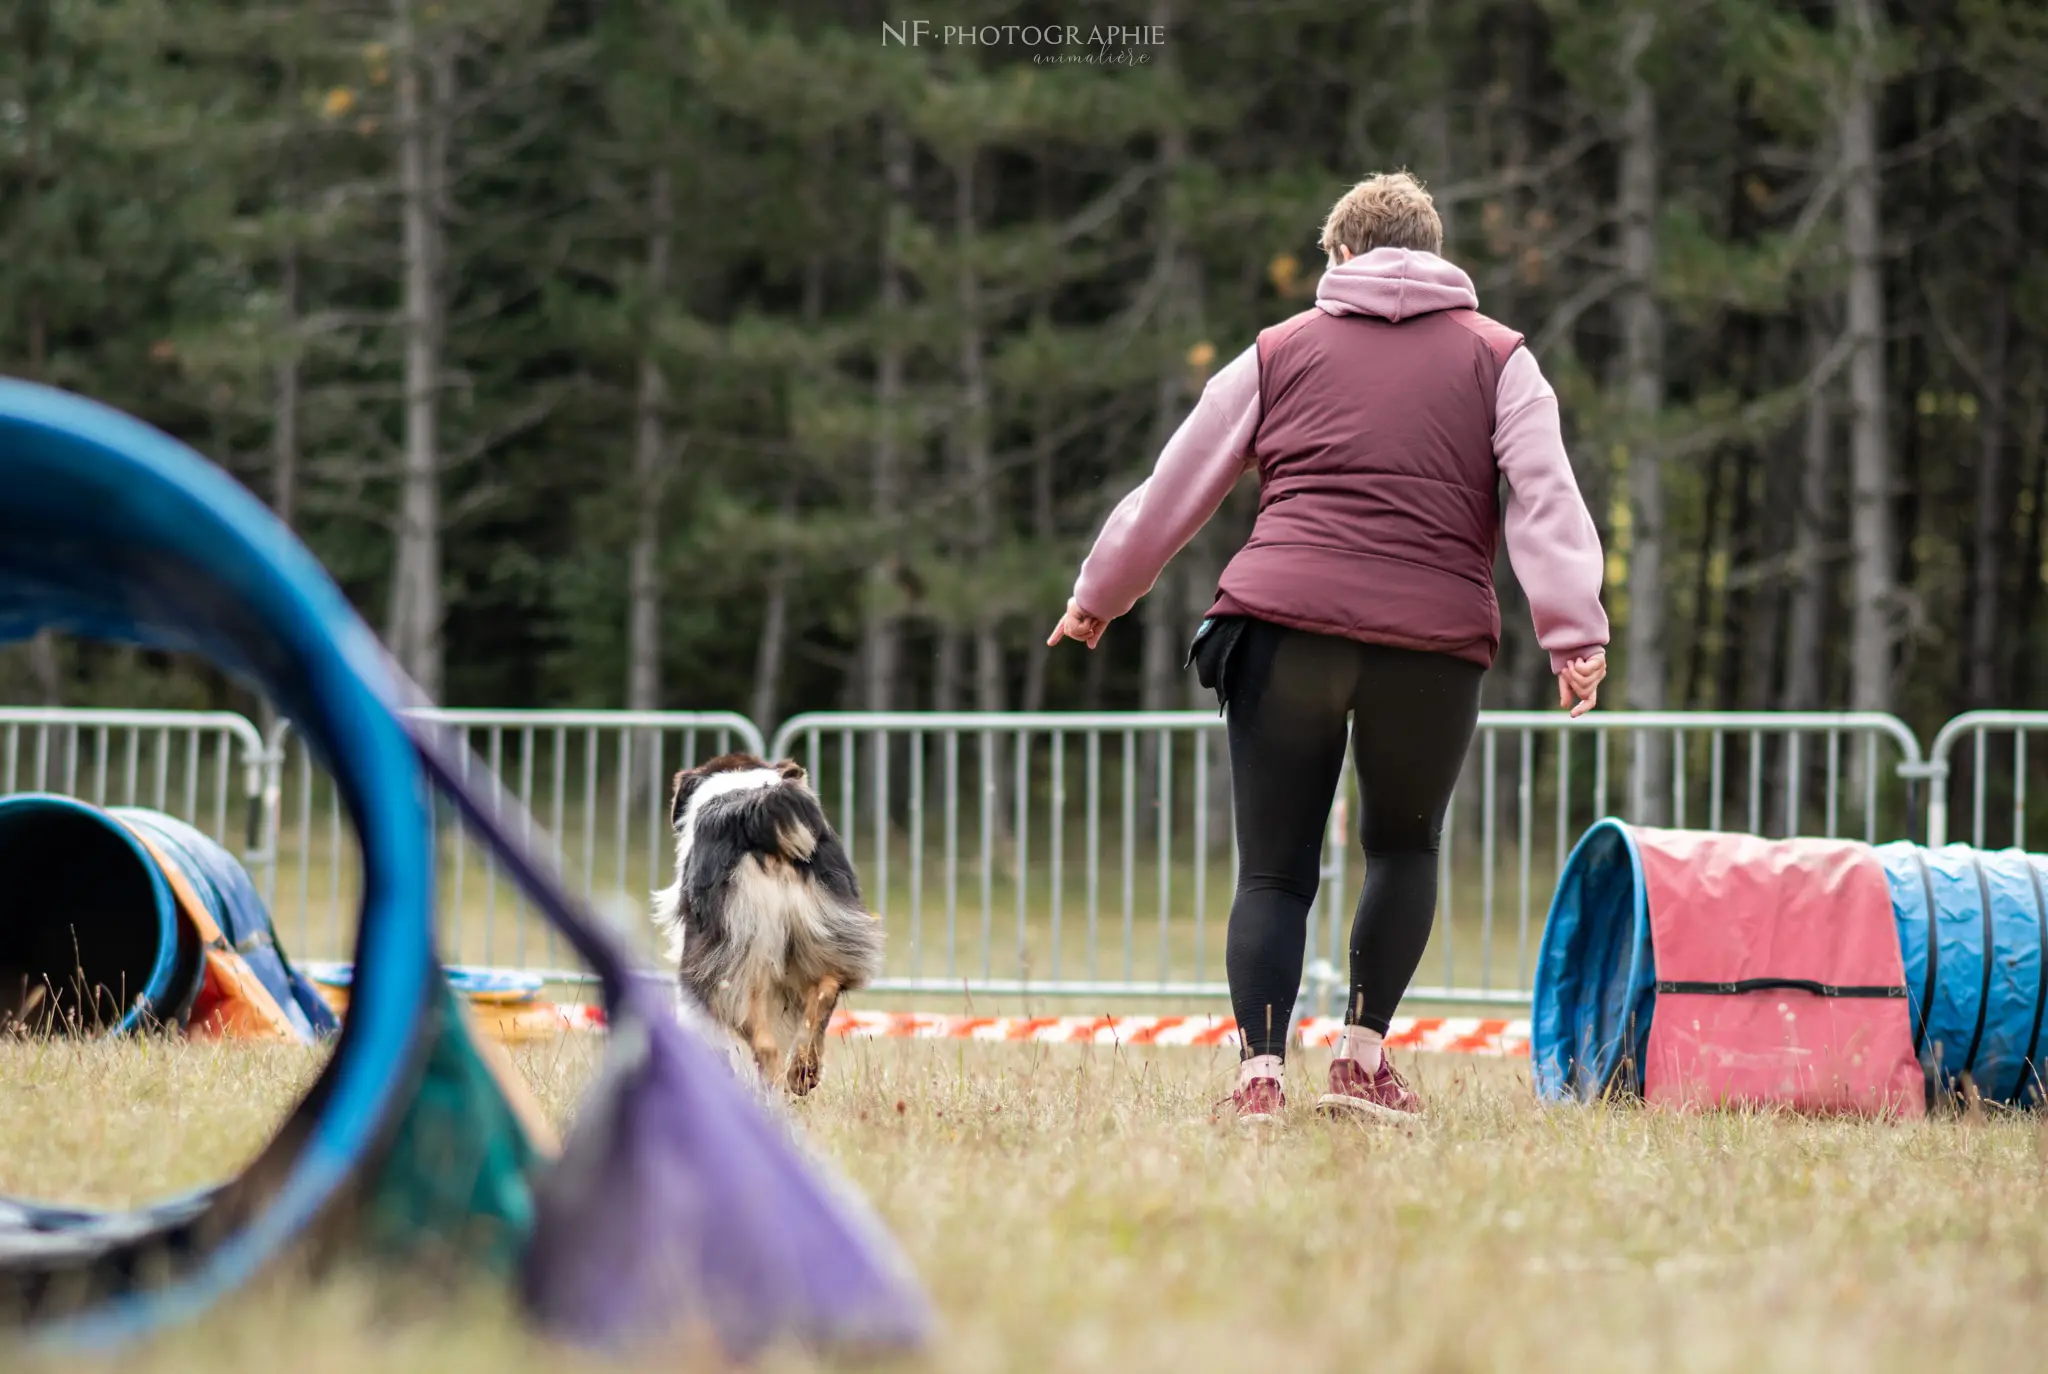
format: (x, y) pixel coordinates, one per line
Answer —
(1379, 505)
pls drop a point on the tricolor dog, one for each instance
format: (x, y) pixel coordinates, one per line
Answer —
(765, 918)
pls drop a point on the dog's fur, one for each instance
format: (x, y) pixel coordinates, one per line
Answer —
(765, 919)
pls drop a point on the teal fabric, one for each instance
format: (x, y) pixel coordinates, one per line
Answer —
(457, 1178)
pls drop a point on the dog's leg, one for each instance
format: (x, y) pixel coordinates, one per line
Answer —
(807, 1064)
(759, 1030)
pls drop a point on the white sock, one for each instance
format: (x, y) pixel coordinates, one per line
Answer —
(1258, 1066)
(1356, 1042)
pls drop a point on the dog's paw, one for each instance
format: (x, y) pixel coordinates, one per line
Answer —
(804, 1072)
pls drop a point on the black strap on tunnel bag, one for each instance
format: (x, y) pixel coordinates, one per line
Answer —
(1747, 985)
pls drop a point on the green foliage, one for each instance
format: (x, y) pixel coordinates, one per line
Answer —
(199, 221)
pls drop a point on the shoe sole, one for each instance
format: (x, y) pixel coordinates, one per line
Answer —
(1342, 1105)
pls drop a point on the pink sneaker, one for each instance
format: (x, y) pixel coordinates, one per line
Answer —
(1257, 1100)
(1381, 1096)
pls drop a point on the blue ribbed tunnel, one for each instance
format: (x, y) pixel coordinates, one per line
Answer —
(89, 933)
(1975, 942)
(92, 935)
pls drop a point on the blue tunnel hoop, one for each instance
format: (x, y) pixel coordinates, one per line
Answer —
(113, 530)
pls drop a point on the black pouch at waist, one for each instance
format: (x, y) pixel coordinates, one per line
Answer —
(1209, 654)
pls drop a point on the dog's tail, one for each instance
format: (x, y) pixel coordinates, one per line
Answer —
(788, 820)
(797, 839)
(783, 822)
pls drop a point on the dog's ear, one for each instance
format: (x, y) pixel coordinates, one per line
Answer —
(792, 771)
(685, 782)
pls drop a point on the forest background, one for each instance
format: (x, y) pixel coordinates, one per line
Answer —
(772, 357)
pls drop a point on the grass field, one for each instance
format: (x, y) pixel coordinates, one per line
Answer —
(1077, 1209)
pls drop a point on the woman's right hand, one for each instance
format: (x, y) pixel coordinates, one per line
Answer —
(1581, 679)
(1077, 624)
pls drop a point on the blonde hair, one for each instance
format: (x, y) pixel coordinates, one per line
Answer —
(1391, 210)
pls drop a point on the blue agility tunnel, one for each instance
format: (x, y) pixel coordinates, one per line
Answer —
(1972, 929)
(90, 925)
(679, 1199)
(114, 920)
(1971, 973)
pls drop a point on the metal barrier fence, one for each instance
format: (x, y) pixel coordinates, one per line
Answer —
(204, 767)
(595, 781)
(1997, 789)
(1056, 854)
(923, 793)
(1068, 818)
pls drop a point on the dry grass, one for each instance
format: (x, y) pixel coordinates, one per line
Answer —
(1076, 1209)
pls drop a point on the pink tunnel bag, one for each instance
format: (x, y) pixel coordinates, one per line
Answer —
(1778, 977)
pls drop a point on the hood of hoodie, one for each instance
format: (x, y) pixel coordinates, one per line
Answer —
(1394, 284)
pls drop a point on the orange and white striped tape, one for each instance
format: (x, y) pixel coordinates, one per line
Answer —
(522, 1017)
(1430, 1034)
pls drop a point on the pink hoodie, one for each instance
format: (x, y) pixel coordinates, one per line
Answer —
(1552, 543)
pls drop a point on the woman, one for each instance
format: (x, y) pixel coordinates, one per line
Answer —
(1381, 423)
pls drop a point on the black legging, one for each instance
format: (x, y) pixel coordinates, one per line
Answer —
(1413, 715)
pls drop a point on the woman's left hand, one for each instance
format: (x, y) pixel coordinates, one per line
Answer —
(1581, 679)
(1077, 624)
